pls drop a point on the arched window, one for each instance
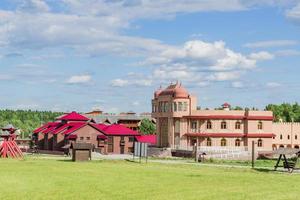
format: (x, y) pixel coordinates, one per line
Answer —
(208, 125)
(208, 142)
(288, 137)
(259, 143)
(223, 142)
(281, 136)
(223, 125)
(296, 137)
(237, 142)
(237, 125)
(260, 125)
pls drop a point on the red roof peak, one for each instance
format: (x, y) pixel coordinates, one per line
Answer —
(73, 116)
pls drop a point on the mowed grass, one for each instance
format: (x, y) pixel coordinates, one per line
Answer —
(38, 179)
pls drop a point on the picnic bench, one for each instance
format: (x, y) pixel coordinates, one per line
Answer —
(290, 165)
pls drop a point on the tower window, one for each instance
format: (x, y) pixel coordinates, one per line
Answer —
(208, 142)
(194, 126)
(180, 106)
(237, 125)
(223, 142)
(260, 126)
(174, 106)
(237, 142)
(259, 143)
(223, 125)
(208, 125)
(185, 106)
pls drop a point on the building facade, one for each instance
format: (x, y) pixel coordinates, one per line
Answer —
(181, 125)
(73, 127)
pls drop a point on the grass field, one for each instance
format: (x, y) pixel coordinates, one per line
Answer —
(37, 179)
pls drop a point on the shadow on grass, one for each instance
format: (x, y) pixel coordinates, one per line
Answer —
(265, 170)
(65, 160)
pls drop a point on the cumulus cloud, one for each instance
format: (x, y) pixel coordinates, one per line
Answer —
(262, 55)
(79, 79)
(271, 43)
(95, 28)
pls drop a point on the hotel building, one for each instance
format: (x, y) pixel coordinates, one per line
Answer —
(181, 125)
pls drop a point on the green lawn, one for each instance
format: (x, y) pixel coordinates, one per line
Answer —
(37, 179)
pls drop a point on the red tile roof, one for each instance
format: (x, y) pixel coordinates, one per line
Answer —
(118, 129)
(151, 139)
(73, 116)
(43, 127)
(73, 126)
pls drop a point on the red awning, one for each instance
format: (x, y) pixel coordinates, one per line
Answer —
(102, 137)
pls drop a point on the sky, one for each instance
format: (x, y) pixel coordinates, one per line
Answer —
(113, 54)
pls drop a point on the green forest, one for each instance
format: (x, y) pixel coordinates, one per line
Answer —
(28, 120)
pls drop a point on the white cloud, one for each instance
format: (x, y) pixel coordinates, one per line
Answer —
(271, 43)
(136, 103)
(225, 76)
(287, 52)
(119, 82)
(96, 28)
(294, 13)
(273, 85)
(197, 53)
(77, 79)
(262, 55)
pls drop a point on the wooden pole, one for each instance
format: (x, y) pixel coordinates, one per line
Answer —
(195, 150)
(253, 154)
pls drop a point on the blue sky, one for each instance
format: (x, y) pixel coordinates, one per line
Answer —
(80, 55)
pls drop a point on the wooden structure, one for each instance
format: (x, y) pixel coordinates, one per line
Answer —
(9, 147)
(287, 164)
(81, 151)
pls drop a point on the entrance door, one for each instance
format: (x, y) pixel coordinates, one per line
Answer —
(110, 144)
(122, 145)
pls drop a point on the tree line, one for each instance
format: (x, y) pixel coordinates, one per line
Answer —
(26, 120)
